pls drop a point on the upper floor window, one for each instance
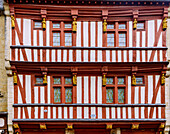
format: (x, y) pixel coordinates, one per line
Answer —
(37, 24)
(117, 34)
(113, 84)
(62, 89)
(62, 34)
(139, 80)
(122, 26)
(140, 26)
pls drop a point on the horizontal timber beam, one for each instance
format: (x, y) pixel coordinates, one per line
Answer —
(92, 48)
(89, 120)
(88, 105)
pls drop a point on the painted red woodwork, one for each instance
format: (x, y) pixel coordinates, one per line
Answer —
(92, 131)
(128, 131)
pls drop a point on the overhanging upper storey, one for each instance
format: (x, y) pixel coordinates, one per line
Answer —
(95, 33)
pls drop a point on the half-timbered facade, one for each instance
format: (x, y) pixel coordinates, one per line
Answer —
(88, 66)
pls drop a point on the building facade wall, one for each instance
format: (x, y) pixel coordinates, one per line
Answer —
(32, 54)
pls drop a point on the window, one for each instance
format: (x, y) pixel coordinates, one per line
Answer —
(56, 25)
(68, 25)
(57, 95)
(68, 81)
(115, 86)
(57, 80)
(62, 34)
(37, 24)
(121, 80)
(109, 95)
(121, 95)
(122, 26)
(122, 39)
(62, 89)
(140, 26)
(139, 80)
(38, 80)
(117, 33)
(68, 39)
(110, 26)
(110, 39)
(109, 80)
(68, 95)
(56, 39)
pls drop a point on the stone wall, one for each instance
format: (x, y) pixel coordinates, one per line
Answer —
(3, 76)
(167, 86)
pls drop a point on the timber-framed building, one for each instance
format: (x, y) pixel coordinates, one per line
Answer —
(88, 66)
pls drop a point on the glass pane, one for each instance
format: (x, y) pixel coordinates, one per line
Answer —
(57, 80)
(39, 80)
(56, 39)
(122, 26)
(37, 25)
(56, 25)
(140, 25)
(139, 80)
(109, 95)
(68, 39)
(109, 81)
(122, 39)
(121, 81)
(68, 95)
(110, 26)
(121, 96)
(57, 95)
(68, 25)
(110, 40)
(68, 80)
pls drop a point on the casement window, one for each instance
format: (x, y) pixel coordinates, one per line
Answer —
(139, 80)
(113, 84)
(37, 25)
(110, 39)
(38, 81)
(62, 34)
(62, 89)
(117, 34)
(122, 39)
(141, 26)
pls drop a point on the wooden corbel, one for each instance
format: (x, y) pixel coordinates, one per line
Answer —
(164, 21)
(43, 15)
(162, 125)
(108, 126)
(164, 24)
(162, 79)
(104, 15)
(69, 126)
(135, 126)
(44, 73)
(104, 73)
(74, 14)
(15, 125)
(134, 70)
(74, 74)
(14, 72)
(12, 17)
(43, 126)
(135, 16)
(74, 79)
